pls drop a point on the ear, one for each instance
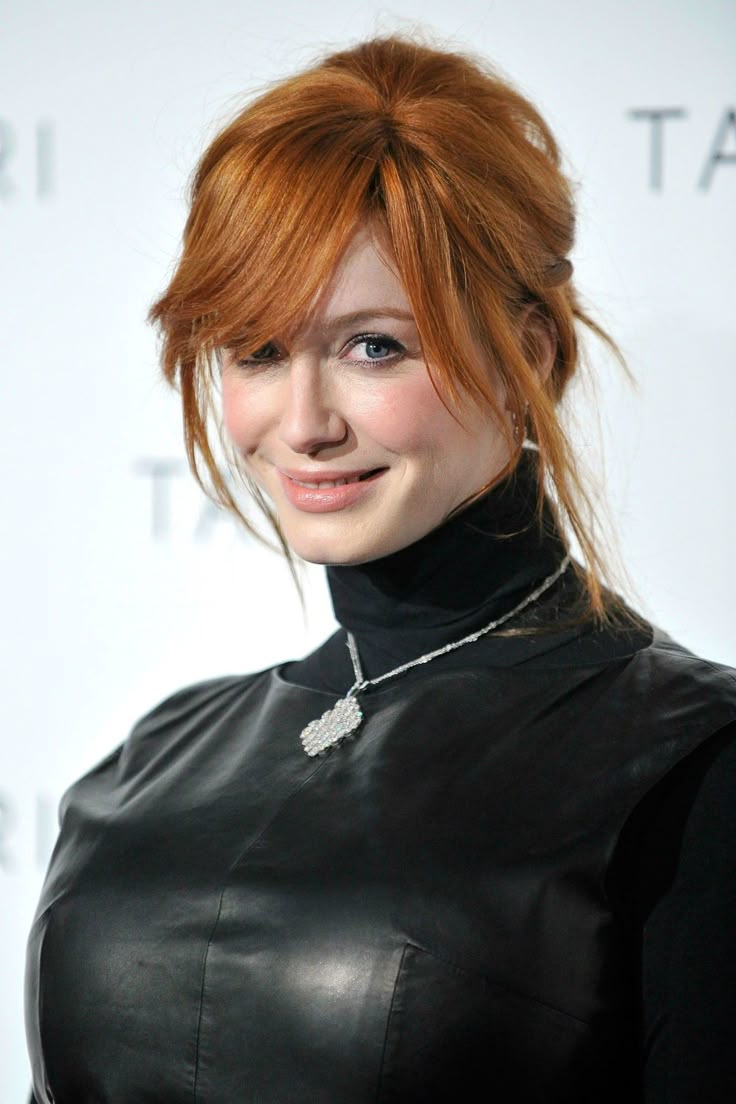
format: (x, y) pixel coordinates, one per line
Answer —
(539, 340)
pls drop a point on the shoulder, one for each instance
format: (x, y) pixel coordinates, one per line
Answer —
(644, 678)
(167, 733)
(645, 664)
(627, 708)
(207, 696)
(671, 701)
(670, 652)
(194, 710)
(668, 674)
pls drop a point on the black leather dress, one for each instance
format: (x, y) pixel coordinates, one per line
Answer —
(448, 906)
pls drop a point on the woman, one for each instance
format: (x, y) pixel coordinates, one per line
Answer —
(483, 851)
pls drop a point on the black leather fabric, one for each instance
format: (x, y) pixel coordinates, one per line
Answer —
(504, 887)
(225, 920)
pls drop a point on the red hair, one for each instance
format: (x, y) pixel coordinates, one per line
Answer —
(460, 177)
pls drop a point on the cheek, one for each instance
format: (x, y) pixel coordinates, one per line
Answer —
(239, 415)
(410, 418)
(459, 453)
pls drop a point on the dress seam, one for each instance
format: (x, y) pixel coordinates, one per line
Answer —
(239, 857)
(379, 1087)
(519, 994)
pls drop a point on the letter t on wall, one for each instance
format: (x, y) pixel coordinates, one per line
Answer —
(657, 117)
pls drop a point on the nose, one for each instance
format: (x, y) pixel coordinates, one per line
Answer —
(310, 420)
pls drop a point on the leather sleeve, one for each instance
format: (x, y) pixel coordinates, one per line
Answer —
(687, 910)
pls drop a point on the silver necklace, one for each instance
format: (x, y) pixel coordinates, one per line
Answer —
(346, 716)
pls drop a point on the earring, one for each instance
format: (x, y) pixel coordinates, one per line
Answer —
(519, 426)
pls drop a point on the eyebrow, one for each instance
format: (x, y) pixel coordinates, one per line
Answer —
(356, 318)
(353, 318)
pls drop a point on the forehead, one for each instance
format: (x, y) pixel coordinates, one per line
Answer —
(364, 279)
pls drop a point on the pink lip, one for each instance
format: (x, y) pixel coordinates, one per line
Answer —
(322, 500)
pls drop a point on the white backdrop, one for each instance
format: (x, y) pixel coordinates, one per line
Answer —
(119, 584)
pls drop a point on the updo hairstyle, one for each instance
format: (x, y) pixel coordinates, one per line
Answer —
(459, 177)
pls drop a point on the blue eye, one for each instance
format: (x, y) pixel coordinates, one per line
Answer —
(377, 347)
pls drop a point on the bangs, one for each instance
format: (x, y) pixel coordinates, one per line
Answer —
(263, 238)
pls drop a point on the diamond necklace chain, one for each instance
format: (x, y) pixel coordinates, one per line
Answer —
(361, 682)
(346, 715)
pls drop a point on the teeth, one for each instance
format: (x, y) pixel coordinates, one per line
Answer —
(323, 483)
(326, 483)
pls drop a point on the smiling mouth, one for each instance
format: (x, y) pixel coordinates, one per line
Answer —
(325, 484)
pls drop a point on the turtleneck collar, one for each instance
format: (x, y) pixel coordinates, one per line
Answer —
(452, 581)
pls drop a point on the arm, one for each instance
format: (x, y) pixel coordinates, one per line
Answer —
(687, 914)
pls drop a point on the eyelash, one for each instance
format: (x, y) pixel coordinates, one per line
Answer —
(395, 347)
(396, 350)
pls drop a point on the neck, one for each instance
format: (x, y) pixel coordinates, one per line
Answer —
(471, 569)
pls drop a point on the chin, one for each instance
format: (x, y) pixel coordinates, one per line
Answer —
(350, 549)
(332, 549)
(335, 556)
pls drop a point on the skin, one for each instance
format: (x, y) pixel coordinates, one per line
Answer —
(330, 401)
